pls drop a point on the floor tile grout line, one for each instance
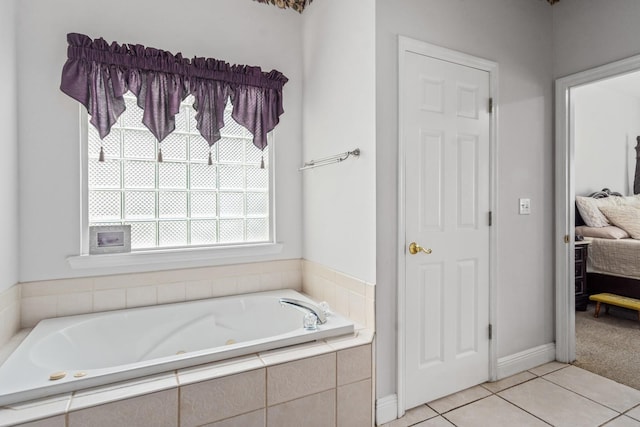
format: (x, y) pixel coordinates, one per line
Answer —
(452, 423)
(631, 409)
(443, 414)
(502, 398)
(512, 386)
(535, 376)
(477, 400)
(585, 397)
(637, 405)
(523, 410)
(612, 419)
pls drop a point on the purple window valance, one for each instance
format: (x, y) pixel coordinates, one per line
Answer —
(98, 74)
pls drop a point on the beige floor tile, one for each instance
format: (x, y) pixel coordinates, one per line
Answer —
(492, 411)
(435, 422)
(623, 421)
(511, 381)
(614, 395)
(456, 400)
(547, 368)
(556, 405)
(634, 413)
(413, 416)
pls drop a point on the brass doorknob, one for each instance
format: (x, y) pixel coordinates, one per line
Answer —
(414, 248)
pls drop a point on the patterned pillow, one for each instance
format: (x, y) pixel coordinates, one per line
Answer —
(589, 209)
(626, 217)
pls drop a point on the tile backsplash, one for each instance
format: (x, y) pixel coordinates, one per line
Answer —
(346, 295)
(55, 298)
(33, 301)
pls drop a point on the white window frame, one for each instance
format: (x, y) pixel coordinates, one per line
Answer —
(180, 257)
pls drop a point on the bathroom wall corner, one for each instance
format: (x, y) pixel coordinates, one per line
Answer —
(9, 313)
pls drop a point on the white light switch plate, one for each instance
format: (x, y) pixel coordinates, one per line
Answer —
(525, 206)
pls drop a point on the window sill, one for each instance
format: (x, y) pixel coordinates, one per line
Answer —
(176, 258)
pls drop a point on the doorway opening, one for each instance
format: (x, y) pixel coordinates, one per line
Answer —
(571, 182)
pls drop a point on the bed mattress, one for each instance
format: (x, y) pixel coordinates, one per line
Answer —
(617, 257)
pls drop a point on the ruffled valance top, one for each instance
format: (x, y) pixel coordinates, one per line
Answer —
(98, 74)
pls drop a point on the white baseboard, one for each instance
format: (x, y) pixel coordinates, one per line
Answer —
(387, 406)
(519, 362)
(386, 409)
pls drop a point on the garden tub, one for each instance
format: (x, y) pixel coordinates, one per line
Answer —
(75, 352)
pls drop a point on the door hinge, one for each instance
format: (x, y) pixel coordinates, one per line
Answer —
(490, 105)
(490, 218)
(490, 331)
(566, 238)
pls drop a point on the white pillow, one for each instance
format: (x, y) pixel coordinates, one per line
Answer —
(630, 200)
(590, 212)
(626, 217)
(608, 232)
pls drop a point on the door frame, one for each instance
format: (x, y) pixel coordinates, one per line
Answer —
(565, 196)
(406, 44)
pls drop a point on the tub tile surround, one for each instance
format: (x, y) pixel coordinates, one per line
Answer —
(331, 388)
(342, 390)
(64, 297)
(317, 410)
(96, 396)
(221, 398)
(302, 377)
(9, 313)
(158, 409)
(42, 411)
(346, 295)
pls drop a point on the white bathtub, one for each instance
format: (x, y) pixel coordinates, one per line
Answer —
(100, 348)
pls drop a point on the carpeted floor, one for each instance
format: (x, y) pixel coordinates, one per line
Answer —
(610, 344)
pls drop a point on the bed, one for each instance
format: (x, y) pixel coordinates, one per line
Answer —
(611, 224)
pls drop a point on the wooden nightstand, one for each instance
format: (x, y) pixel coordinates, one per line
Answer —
(581, 254)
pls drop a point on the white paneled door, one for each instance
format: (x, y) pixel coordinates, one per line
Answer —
(445, 123)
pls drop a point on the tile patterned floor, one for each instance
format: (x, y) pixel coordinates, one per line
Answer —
(554, 394)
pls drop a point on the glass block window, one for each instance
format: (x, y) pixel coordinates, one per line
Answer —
(182, 201)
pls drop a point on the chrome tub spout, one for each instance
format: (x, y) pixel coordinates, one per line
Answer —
(305, 306)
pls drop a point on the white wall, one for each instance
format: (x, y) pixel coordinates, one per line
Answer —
(339, 200)
(589, 33)
(517, 35)
(9, 143)
(240, 32)
(606, 126)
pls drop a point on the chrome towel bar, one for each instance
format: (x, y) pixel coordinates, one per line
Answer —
(329, 160)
